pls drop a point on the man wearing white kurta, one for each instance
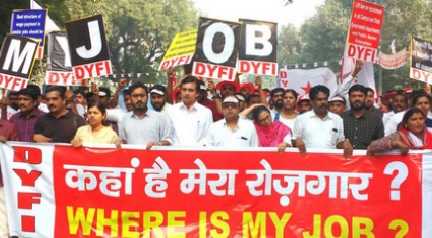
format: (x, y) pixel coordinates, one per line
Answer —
(190, 119)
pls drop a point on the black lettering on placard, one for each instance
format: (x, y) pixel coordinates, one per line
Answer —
(17, 56)
(58, 52)
(258, 41)
(217, 42)
(87, 41)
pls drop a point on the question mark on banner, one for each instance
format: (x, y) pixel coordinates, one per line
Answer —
(398, 180)
(399, 225)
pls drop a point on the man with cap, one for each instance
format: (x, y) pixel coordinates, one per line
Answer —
(104, 96)
(337, 105)
(304, 104)
(158, 99)
(28, 115)
(232, 131)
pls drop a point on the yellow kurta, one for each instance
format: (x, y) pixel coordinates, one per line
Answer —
(106, 135)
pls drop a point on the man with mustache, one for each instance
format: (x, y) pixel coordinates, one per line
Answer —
(60, 124)
(28, 115)
(143, 126)
(191, 119)
(361, 126)
(276, 102)
(320, 128)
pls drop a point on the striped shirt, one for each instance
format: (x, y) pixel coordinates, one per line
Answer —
(363, 130)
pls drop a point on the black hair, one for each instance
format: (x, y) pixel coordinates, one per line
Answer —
(357, 88)
(28, 92)
(317, 89)
(419, 95)
(369, 90)
(80, 91)
(101, 107)
(191, 79)
(409, 114)
(60, 89)
(126, 92)
(136, 86)
(276, 90)
(257, 111)
(293, 92)
(34, 89)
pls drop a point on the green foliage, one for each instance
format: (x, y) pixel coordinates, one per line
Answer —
(138, 31)
(323, 36)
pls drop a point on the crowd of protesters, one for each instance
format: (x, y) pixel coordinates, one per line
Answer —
(195, 112)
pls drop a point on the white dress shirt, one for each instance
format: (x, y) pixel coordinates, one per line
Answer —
(190, 125)
(244, 135)
(387, 116)
(315, 132)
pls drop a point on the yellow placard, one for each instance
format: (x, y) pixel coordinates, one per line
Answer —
(183, 44)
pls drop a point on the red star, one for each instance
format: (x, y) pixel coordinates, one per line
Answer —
(307, 88)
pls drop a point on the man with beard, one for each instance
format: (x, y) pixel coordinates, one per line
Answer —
(142, 126)
(158, 99)
(60, 124)
(370, 101)
(361, 126)
(320, 128)
(276, 102)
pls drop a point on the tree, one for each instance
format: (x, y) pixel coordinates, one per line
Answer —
(323, 36)
(289, 45)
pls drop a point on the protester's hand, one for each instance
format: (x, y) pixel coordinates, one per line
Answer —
(348, 149)
(3, 139)
(258, 81)
(118, 143)
(398, 144)
(4, 102)
(150, 145)
(171, 73)
(211, 85)
(76, 143)
(358, 68)
(283, 146)
(94, 88)
(369, 152)
(299, 143)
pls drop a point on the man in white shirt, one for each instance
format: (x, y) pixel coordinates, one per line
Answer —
(320, 128)
(232, 131)
(191, 120)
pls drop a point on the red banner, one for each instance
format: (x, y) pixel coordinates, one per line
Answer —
(365, 30)
(170, 193)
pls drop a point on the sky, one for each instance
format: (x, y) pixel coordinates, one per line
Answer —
(267, 10)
